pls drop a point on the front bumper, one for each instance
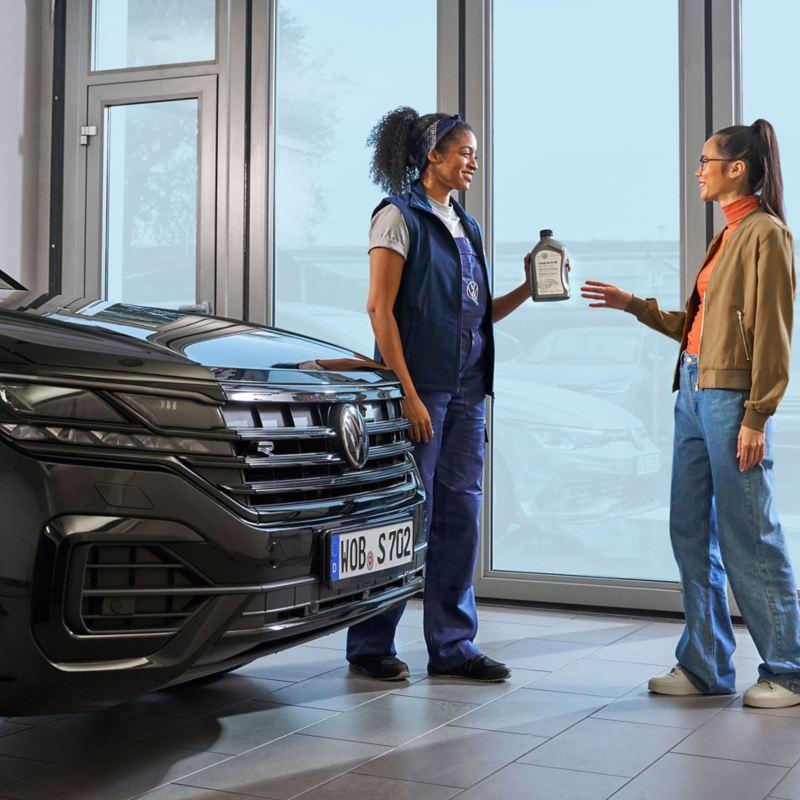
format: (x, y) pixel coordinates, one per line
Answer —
(103, 602)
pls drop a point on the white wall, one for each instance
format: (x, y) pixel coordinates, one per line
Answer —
(24, 198)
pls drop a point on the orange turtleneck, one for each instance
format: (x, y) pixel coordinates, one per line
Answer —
(734, 213)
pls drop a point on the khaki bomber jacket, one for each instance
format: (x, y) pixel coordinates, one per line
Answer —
(746, 334)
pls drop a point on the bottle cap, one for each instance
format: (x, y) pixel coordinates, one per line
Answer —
(545, 232)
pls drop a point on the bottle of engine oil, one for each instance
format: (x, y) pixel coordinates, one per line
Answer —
(549, 277)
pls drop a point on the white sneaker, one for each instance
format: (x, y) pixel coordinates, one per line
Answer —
(674, 683)
(768, 694)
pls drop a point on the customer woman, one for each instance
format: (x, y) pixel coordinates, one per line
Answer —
(735, 339)
(432, 316)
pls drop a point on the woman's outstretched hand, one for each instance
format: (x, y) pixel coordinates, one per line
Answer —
(416, 413)
(608, 295)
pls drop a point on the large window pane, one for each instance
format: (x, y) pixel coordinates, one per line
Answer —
(150, 197)
(586, 143)
(335, 79)
(139, 33)
(769, 58)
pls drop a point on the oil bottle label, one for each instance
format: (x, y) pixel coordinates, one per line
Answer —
(547, 273)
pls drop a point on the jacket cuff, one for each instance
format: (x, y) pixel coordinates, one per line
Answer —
(754, 419)
(636, 306)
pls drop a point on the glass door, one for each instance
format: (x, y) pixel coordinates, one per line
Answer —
(150, 192)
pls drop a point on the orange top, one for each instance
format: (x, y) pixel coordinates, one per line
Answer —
(734, 213)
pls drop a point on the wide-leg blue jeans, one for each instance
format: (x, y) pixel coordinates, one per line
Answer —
(451, 465)
(724, 526)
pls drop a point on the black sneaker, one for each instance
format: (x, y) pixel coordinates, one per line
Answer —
(382, 668)
(480, 668)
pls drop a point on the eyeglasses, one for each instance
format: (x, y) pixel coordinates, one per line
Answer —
(705, 159)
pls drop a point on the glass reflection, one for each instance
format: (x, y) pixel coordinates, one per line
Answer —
(776, 21)
(582, 417)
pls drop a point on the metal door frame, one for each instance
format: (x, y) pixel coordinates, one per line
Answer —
(104, 96)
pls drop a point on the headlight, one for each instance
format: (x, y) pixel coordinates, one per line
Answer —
(132, 441)
(562, 438)
(53, 415)
(59, 402)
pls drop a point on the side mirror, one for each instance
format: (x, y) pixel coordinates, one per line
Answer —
(196, 308)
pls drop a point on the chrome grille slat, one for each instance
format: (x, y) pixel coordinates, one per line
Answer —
(400, 491)
(292, 460)
(317, 432)
(394, 449)
(390, 426)
(321, 482)
(309, 459)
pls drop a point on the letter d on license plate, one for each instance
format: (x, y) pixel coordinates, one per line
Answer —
(369, 551)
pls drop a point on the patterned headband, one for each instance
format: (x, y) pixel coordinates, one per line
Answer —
(431, 137)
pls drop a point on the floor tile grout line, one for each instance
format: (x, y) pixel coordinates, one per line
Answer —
(734, 760)
(175, 783)
(25, 758)
(778, 783)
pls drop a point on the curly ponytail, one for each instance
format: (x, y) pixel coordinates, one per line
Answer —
(393, 140)
(757, 146)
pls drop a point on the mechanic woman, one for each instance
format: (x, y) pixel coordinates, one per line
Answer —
(432, 316)
(733, 369)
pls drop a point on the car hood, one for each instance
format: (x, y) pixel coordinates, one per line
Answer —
(536, 403)
(566, 374)
(90, 335)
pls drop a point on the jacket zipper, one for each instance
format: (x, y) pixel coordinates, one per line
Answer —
(703, 320)
(741, 331)
(700, 340)
(460, 289)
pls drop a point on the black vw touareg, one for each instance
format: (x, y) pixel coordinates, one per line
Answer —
(181, 494)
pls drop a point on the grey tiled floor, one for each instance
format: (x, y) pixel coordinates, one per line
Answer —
(575, 722)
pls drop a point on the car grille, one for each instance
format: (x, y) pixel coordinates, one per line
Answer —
(591, 491)
(133, 589)
(289, 460)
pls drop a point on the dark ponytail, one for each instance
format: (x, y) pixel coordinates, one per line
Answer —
(757, 146)
(393, 140)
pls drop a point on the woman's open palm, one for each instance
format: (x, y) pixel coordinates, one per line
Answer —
(608, 295)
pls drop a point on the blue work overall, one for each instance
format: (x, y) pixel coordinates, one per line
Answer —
(451, 466)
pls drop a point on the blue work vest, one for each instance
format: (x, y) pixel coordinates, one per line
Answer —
(428, 308)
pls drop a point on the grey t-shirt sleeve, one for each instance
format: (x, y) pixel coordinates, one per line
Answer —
(388, 229)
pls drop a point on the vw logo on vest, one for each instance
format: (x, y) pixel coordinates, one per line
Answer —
(352, 433)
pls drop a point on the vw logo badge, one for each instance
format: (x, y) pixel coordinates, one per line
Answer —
(352, 432)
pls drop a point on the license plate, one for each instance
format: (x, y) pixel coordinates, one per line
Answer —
(647, 464)
(373, 550)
